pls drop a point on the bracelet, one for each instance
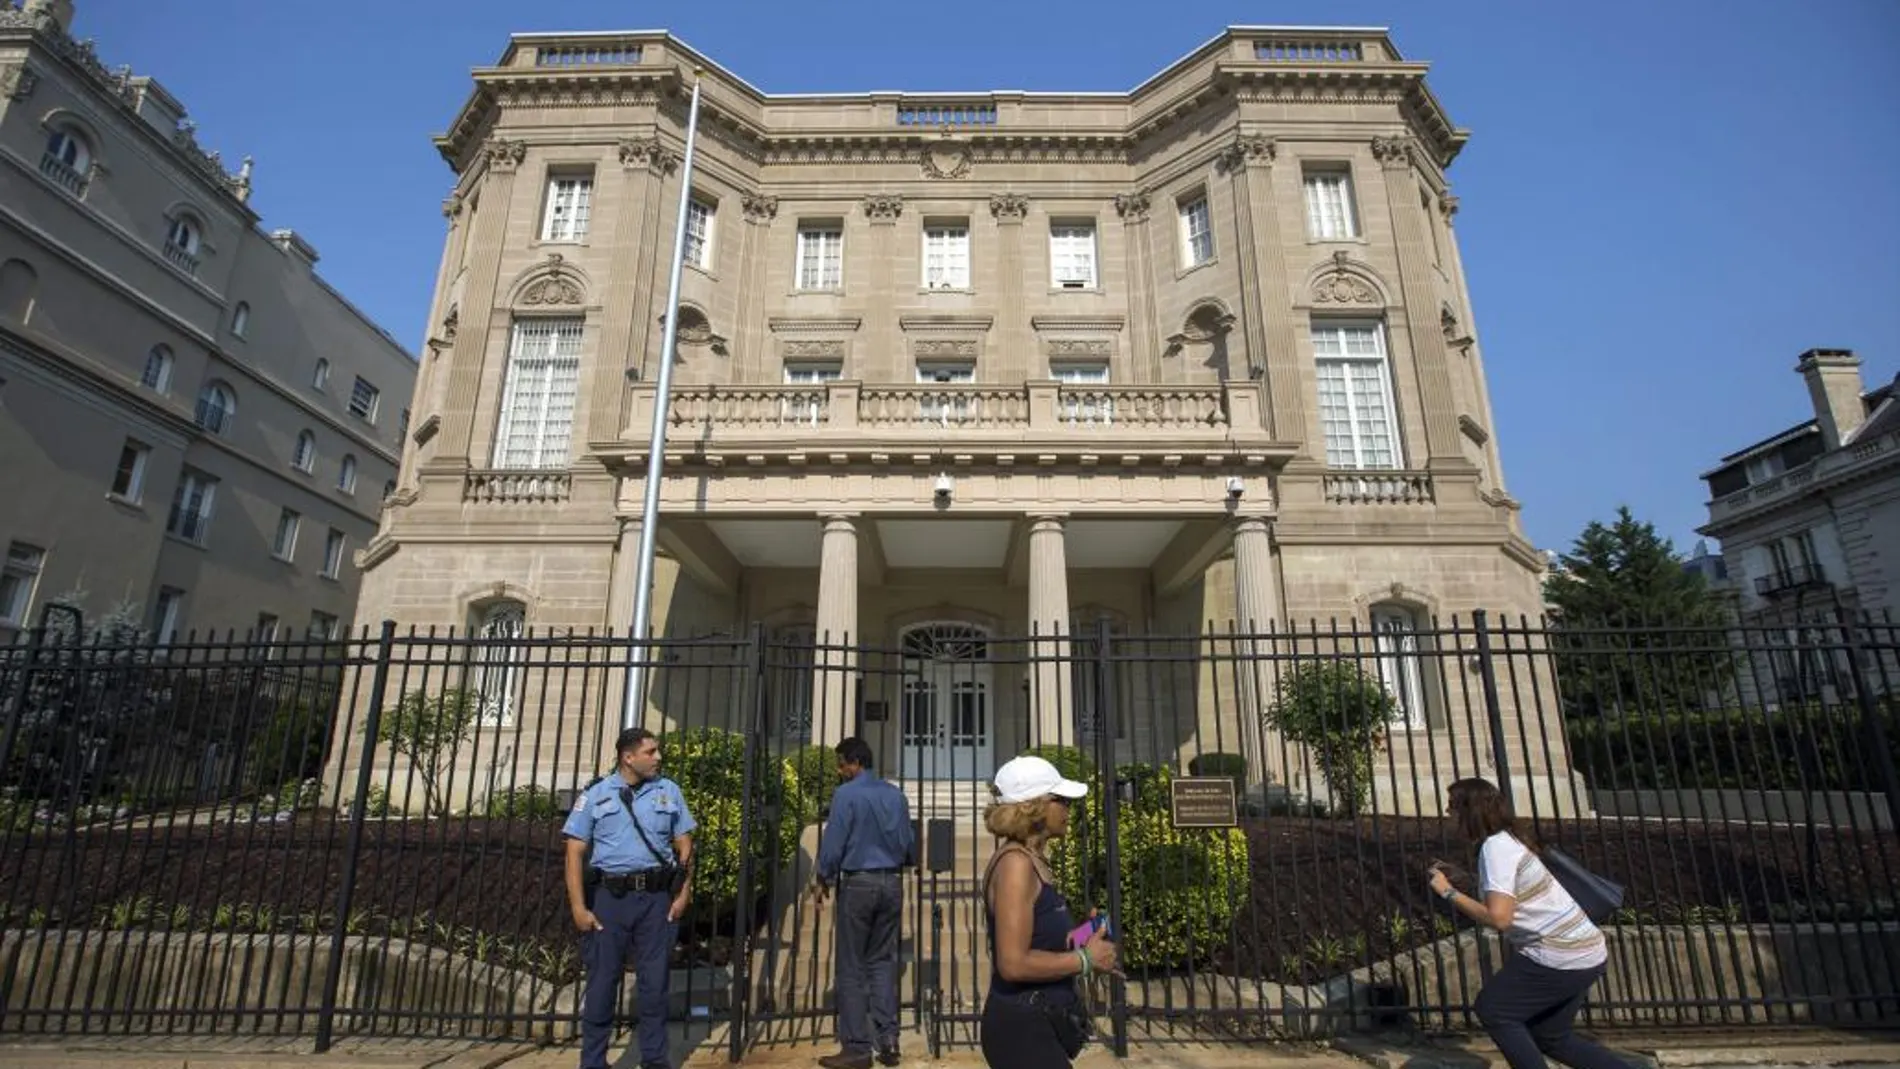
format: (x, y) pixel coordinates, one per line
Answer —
(1450, 893)
(1088, 967)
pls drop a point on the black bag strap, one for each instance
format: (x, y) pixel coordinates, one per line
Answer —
(626, 802)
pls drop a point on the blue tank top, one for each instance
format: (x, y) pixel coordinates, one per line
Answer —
(1049, 931)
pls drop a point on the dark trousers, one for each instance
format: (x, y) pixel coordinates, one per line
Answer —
(1019, 1036)
(870, 911)
(1528, 1008)
(633, 925)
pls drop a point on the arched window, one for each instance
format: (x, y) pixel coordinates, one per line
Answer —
(304, 457)
(498, 660)
(1396, 631)
(19, 290)
(217, 406)
(183, 241)
(157, 375)
(241, 319)
(346, 474)
(320, 378)
(67, 159)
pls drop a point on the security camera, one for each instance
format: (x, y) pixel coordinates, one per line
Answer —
(943, 487)
(1235, 487)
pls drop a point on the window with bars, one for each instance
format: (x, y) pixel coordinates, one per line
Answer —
(820, 257)
(1400, 668)
(364, 399)
(1197, 232)
(947, 257)
(191, 506)
(1329, 208)
(128, 481)
(157, 375)
(304, 456)
(166, 610)
(217, 406)
(284, 543)
(1072, 256)
(570, 198)
(497, 675)
(1356, 406)
(537, 405)
(699, 233)
(322, 626)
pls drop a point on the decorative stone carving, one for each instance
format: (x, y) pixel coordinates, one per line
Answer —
(883, 207)
(1343, 287)
(1081, 347)
(504, 156)
(1393, 153)
(947, 158)
(1132, 207)
(1448, 322)
(1247, 150)
(1447, 206)
(452, 206)
(811, 349)
(648, 152)
(554, 288)
(695, 329)
(944, 348)
(1009, 207)
(758, 207)
(17, 81)
(452, 322)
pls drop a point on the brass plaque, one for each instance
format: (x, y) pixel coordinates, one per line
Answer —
(1204, 802)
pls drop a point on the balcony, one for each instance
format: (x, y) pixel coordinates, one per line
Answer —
(512, 487)
(63, 175)
(1728, 512)
(1789, 580)
(1045, 417)
(1379, 488)
(181, 259)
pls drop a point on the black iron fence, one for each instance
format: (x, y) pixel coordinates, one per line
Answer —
(363, 836)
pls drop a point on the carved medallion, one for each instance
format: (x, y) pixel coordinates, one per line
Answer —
(946, 159)
(555, 288)
(1338, 287)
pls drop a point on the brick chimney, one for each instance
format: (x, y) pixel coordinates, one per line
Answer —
(1833, 377)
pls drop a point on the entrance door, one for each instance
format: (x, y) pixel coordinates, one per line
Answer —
(949, 706)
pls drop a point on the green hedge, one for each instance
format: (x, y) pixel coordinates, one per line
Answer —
(527, 803)
(816, 769)
(709, 765)
(1795, 748)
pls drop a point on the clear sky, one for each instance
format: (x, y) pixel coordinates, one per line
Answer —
(1662, 204)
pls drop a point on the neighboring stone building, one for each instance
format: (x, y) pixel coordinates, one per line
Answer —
(1809, 521)
(961, 366)
(191, 421)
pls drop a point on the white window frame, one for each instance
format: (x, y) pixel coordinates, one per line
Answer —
(569, 208)
(346, 474)
(67, 159)
(1075, 406)
(284, 541)
(540, 394)
(700, 224)
(134, 489)
(323, 626)
(1347, 360)
(303, 455)
(814, 374)
(186, 522)
(360, 408)
(216, 417)
(265, 632)
(946, 256)
(333, 554)
(157, 375)
(1072, 255)
(165, 611)
(19, 580)
(320, 378)
(185, 235)
(1331, 213)
(1197, 231)
(820, 258)
(1401, 669)
(241, 319)
(499, 661)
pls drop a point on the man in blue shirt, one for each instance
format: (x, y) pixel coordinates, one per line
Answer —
(629, 878)
(868, 840)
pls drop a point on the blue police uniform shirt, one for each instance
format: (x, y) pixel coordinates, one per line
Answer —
(869, 828)
(601, 818)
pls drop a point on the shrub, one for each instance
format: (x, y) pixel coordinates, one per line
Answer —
(1149, 788)
(709, 765)
(816, 769)
(377, 805)
(1340, 713)
(1794, 748)
(526, 803)
(1072, 761)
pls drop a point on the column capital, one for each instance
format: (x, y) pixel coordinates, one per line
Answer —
(840, 521)
(1253, 525)
(1045, 521)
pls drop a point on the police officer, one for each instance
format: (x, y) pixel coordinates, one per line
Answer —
(629, 879)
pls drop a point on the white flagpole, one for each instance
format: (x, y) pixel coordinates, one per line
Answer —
(656, 443)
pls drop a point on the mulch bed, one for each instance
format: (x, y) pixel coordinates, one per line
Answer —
(1327, 894)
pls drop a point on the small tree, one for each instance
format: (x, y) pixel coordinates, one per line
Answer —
(1340, 713)
(427, 730)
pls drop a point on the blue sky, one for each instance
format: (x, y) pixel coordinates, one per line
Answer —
(1663, 201)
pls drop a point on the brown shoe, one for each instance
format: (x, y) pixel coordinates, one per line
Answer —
(845, 1060)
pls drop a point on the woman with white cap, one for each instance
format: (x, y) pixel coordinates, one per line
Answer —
(1033, 1018)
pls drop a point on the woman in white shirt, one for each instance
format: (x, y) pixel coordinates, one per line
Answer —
(1529, 1005)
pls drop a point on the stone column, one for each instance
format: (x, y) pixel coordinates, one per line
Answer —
(753, 363)
(1257, 615)
(1436, 400)
(1269, 319)
(627, 322)
(835, 682)
(1143, 331)
(883, 344)
(1015, 339)
(467, 358)
(1051, 699)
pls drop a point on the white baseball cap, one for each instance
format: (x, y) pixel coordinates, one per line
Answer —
(1025, 778)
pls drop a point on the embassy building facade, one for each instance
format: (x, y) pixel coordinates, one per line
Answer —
(952, 367)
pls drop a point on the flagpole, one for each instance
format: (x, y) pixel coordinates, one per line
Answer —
(656, 443)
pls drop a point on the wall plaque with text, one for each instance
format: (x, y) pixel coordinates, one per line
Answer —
(1204, 802)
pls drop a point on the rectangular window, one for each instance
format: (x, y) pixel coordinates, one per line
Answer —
(820, 258)
(1355, 396)
(322, 626)
(402, 425)
(165, 612)
(1072, 256)
(1399, 666)
(808, 405)
(537, 404)
(191, 506)
(333, 554)
(364, 399)
(1197, 232)
(1329, 213)
(699, 233)
(569, 200)
(284, 545)
(266, 629)
(947, 257)
(128, 482)
(18, 578)
(1077, 402)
